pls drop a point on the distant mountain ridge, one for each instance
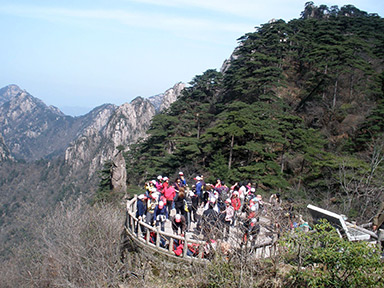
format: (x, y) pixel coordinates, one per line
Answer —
(32, 130)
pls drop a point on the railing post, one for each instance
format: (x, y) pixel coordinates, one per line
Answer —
(132, 224)
(158, 236)
(185, 248)
(170, 248)
(201, 251)
(148, 235)
(138, 229)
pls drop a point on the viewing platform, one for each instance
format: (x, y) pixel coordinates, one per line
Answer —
(195, 247)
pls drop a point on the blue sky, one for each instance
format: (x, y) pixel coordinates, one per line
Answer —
(86, 53)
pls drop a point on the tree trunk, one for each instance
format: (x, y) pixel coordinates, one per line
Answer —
(231, 152)
(334, 95)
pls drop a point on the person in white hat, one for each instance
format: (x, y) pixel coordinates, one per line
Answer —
(198, 187)
(161, 215)
(182, 179)
(159, 183)
(179, 224)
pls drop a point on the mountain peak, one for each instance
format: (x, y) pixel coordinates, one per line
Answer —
(8, 92)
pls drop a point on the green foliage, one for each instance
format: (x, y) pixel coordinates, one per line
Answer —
(104, 192)
(286, 112)
(323, 259)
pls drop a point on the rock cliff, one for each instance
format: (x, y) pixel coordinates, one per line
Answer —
(128, 123)
(4, 151)
(32, 130)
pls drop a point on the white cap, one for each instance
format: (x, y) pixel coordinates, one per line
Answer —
(198, 178)
(165, 178)
(159, 177)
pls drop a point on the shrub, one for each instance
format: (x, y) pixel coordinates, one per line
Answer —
(324, 259)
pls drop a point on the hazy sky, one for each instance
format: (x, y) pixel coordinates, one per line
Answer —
(90, 52)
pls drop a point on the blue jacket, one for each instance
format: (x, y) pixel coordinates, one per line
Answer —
(141, 207)
(199, 185)
(159, 211)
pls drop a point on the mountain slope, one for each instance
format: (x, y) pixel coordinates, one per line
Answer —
(285, 113)
(128, 123)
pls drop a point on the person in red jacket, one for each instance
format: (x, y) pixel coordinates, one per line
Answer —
(235, 201)
(236, 204)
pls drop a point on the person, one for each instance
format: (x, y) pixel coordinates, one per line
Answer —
(179, 202)
(204, 188)
(165, 182)
(242, 194)
(177, 185)
(251, 231)
(140, 210)
(159, 183)
(209, 221)
(188, 207)
(169, 193)
(182, 179)
(160, 215)
(141, 207)
(378, 225)
(178, 222)
(275, 200)
(257, 201)
(212, 201)
(199, 189)
(229, 213)
(218, 183)
(236, 204)
(151, 205)
(195, 205)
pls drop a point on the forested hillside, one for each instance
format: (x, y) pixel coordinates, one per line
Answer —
(298, 109)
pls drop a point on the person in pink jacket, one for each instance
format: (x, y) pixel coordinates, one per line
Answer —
(169, 193)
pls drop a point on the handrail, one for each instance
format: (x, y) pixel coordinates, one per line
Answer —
(134, 226)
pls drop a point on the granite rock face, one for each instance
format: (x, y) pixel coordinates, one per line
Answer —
(128, 123)
(4, 151)
(32, 130)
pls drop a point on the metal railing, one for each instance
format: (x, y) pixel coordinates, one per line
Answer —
(160, 241)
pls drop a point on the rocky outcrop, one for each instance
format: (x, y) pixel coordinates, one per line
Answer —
(33, 130)
(119, 174)
(8, 92)
(125, 126)
(164, 100)
(4, 151)
(171, 95)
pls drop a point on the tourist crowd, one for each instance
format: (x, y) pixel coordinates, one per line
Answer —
(222, 206)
